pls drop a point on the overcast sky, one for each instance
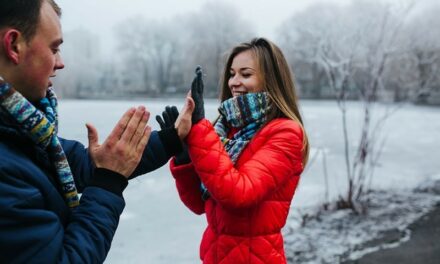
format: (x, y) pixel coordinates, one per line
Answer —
(100, 16)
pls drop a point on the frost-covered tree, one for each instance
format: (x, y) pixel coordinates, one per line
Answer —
(209, 34)
(82, 57)
(351, 47)
(421, 47)
(161, 55)
(149, 49)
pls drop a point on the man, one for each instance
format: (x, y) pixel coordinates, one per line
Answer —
(42, 218)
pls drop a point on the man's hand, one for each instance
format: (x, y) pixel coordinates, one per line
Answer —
(168, 118)
(167, 121)
(123, 148)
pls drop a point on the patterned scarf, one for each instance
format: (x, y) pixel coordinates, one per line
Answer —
(247, 113)
(42, 128)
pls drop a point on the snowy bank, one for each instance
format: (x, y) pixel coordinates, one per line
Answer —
(315, 236)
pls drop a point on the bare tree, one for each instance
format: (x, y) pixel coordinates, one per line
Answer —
(149, 48)
(82, 57)
(352, 46)
(422, 45)
(210, 33)
(166, 53)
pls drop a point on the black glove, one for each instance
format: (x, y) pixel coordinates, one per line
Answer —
(169, 117)
(197, 95)
(166, 122)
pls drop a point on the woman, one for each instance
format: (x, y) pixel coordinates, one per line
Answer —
(244, 169)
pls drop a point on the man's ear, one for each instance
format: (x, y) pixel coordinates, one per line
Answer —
(13, 41)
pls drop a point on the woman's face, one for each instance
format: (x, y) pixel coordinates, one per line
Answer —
(244, 75)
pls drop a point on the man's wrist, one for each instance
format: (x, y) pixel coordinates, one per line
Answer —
(170, 140)
(109, 180)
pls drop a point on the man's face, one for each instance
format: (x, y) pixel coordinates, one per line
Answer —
(41, 57)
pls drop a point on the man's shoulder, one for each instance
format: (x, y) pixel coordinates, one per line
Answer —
(9, 149)
(13, 159)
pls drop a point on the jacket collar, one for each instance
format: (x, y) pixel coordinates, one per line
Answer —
(11, 134)
(9, 128)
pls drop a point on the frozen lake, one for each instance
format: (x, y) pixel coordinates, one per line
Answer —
(156, 227)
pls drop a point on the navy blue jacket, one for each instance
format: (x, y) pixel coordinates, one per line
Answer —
(36, 226)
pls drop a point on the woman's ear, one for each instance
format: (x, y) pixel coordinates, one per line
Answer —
(12, 43)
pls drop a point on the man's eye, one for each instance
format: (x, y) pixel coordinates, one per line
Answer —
(55, 51)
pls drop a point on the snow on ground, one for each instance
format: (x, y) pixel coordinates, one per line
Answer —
(156, 228)
(336, 236)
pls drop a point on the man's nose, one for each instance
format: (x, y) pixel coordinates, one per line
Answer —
(59, 64)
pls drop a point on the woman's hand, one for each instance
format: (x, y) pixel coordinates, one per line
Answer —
(183, 123)
(197, 88)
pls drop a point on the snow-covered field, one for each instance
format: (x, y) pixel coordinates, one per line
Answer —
(156, 228)
(337, 236)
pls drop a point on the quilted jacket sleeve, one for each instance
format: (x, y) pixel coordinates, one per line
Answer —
(188, 186)
(79, 161)
(30, 233)
(276, 157)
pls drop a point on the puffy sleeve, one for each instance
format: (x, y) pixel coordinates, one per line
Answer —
(188, 186)
(276, 157)
(30, 233)
(79, 161)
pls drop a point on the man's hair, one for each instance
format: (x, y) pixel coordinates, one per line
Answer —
(23, 15)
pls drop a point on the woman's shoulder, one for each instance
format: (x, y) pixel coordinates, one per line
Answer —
(283, 124)
(282, 128)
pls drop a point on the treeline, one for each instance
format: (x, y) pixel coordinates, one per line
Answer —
(334, 51)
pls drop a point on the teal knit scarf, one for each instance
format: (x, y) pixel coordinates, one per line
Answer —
(41, 127)
(247, 113)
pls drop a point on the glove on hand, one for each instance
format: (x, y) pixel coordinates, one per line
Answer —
(197, 95)
(169, 117)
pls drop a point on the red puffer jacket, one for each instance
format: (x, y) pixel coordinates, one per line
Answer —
(250, 201)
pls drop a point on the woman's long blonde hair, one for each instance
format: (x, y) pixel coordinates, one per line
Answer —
(277, 82)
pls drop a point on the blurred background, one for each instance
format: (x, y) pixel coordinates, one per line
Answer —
(117, 49)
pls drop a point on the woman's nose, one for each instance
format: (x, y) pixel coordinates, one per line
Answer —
(234, 81)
